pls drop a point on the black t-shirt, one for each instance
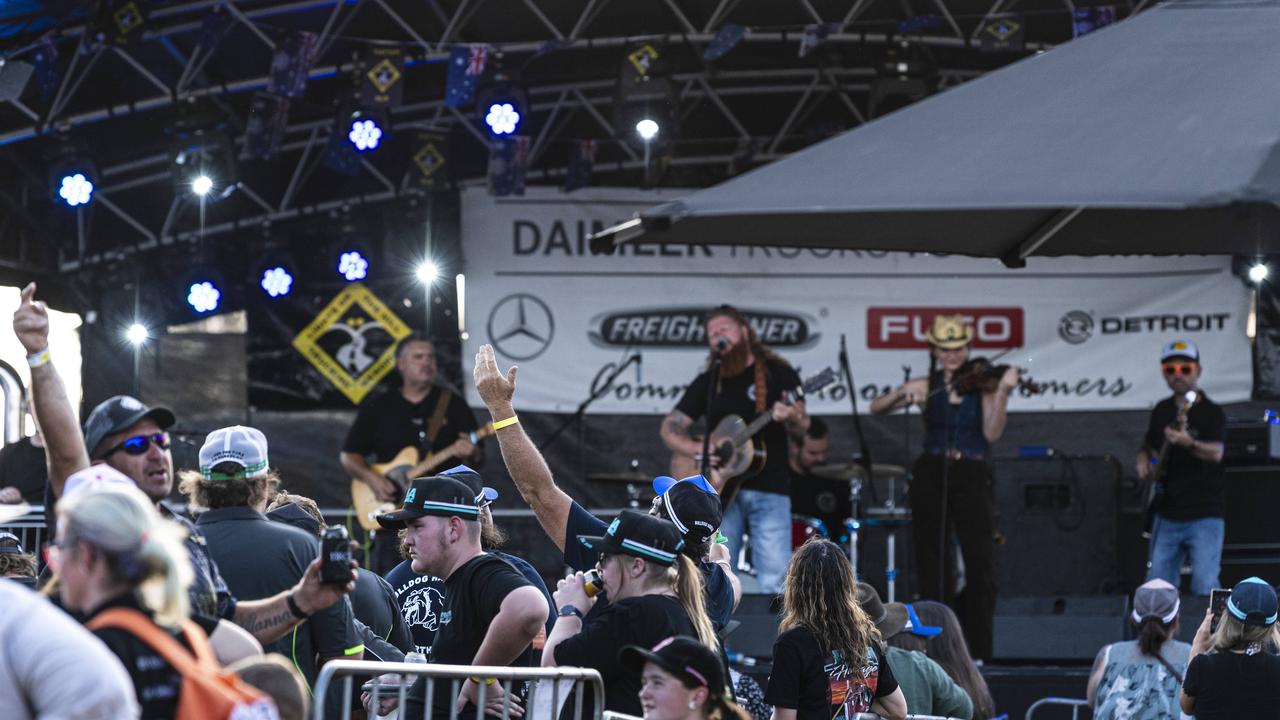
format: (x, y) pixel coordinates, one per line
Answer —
(643, 621)
(822, 498)
(717, 589)
(473, 596)
(374, 604)
(22, 466)
(388, 423)
(821, 685)
(156, 683)
(1232, 686)
(737, 396)
(1192, 487)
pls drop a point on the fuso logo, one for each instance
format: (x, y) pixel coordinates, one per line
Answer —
(905, 328)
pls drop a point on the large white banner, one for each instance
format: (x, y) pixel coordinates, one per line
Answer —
(1088, 329)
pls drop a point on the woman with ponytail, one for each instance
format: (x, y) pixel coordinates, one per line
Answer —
(1140, 678)
(828, 660)
(681, 679)
(113, 550)
(655, 592)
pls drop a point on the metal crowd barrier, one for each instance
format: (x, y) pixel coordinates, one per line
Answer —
(348, 670)
(1072, 703)
(873, 716)
(30, 529)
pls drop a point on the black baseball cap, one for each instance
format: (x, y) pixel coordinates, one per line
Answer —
(639, 535)
(687, 659)
(118, 414)
(440, 495)
(692, 504)
(1253, 602)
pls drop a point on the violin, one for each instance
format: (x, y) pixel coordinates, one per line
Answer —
(982, 375)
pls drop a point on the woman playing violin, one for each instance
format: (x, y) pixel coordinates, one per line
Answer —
(965, 405)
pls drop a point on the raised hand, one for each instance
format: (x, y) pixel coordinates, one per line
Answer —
(495, 389)
(31, 321)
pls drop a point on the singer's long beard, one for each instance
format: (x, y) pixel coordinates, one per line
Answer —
(733, 361)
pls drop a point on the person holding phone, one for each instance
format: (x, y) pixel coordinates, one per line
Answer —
(1234, 671)
(1140, 678)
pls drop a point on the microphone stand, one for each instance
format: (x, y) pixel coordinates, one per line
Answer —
(713, 380)
(582, 408)
(863, 448)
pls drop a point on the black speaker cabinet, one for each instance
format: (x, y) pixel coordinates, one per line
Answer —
(1057, 628)
(1251, 515)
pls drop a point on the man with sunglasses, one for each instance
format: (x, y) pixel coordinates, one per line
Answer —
(130, 437)
(1189, 519)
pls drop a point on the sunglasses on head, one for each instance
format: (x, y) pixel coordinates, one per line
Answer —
(1173, 369)
(138, 444)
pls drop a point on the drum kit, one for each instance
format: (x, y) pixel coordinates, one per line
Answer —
(878, 501)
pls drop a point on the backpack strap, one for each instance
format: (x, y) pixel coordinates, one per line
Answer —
(153, 636)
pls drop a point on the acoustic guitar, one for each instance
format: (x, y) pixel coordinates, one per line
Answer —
(401, 469)
(1155, 481)
(732, 442)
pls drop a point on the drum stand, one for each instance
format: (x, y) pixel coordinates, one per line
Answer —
(888, 516)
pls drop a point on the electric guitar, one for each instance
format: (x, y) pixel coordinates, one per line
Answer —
(732, 442)
(401, 470)
(1155, 481)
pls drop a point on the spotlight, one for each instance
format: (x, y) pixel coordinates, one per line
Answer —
(75, 189)
(502, 118)
(276, 281)
(427, 272)
(364, 133)
(1258, 272)
(647, 128)
(202, 185)
(203, 297)
(137, 334)
(353, 266)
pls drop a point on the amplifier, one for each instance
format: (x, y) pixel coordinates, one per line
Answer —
(1251, 443)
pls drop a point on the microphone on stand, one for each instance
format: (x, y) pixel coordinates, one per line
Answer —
(721, 344)
(639, 362)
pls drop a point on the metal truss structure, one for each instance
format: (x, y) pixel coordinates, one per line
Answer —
(119, 102)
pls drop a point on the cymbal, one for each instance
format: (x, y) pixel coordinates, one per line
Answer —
(623, 478)
(854, 471)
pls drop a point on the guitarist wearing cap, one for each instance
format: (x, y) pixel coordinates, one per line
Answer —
(753, 380)
(422, 416)
(1188, 523)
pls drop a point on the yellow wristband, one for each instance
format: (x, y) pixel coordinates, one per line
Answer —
(483, 681)
(499, 424)
(36, 359)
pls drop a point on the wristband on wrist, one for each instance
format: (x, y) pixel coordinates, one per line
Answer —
(482, 681)
(36, 359)
(293, 607)
(499, 424)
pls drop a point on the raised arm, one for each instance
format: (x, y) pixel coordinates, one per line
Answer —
(912, 392)
(527, 467)
(64, 447)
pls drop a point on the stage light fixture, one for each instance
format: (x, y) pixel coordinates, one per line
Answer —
(427, 272)
(1258, 272)
(202, 185)
(276, 281)
(502, 118)
(647, 128)
(353, 266)
(137, 334)
(364, 133)
(203, 296)
(75, 189)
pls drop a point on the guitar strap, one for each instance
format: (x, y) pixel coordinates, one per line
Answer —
(436, 421)
(760, 386)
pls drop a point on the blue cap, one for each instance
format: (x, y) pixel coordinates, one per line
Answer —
(915, 627)
(1253, 602)
(692, 504)
(663, 483)
(484, 495)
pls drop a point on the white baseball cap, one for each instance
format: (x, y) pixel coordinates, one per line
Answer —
(1180, 349)
(244, 446)
(94, 478)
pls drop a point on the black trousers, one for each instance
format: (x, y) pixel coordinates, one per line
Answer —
(970, 513)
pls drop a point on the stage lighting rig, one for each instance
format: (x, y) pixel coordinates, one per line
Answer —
(427, 272)
(1258, 272)
(137, 334)
(203, 297)
(73, 176)
(365, 132)
(75, 189)
(502, 107)
(276, 281)
(353, 266)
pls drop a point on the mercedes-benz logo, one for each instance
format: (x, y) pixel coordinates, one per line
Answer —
(1075, 327)
(521, 327)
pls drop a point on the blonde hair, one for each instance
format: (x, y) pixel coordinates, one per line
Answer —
(141, 549)
(822, 596)
(205, 494)
(1234, 635)
(686, 580)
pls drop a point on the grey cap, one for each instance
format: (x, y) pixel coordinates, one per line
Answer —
(1155, 598)
(117, 414)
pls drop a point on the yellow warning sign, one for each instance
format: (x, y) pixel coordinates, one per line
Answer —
(384, 75)
(643, 58)
(342, 340)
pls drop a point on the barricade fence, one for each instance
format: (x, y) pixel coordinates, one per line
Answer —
(548, 688)
(30, 530)
(1073, 703)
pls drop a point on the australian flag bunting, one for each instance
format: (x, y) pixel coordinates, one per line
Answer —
(727, 37)
(1086, 20)
(466, 65)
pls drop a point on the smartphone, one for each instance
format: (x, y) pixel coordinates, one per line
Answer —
(335, 554)
(1218, 602)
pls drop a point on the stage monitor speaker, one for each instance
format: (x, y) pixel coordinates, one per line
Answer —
(1250, 516)
(1058, 516)
(1059, 628)
(1237, 566)
(1015, 689)
(1251, 443)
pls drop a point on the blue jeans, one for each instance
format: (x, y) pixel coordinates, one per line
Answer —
(767, 517)
(1199, 540)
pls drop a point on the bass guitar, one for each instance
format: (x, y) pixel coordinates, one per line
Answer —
(740, 457)
(408, 464)
(1155, 481)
